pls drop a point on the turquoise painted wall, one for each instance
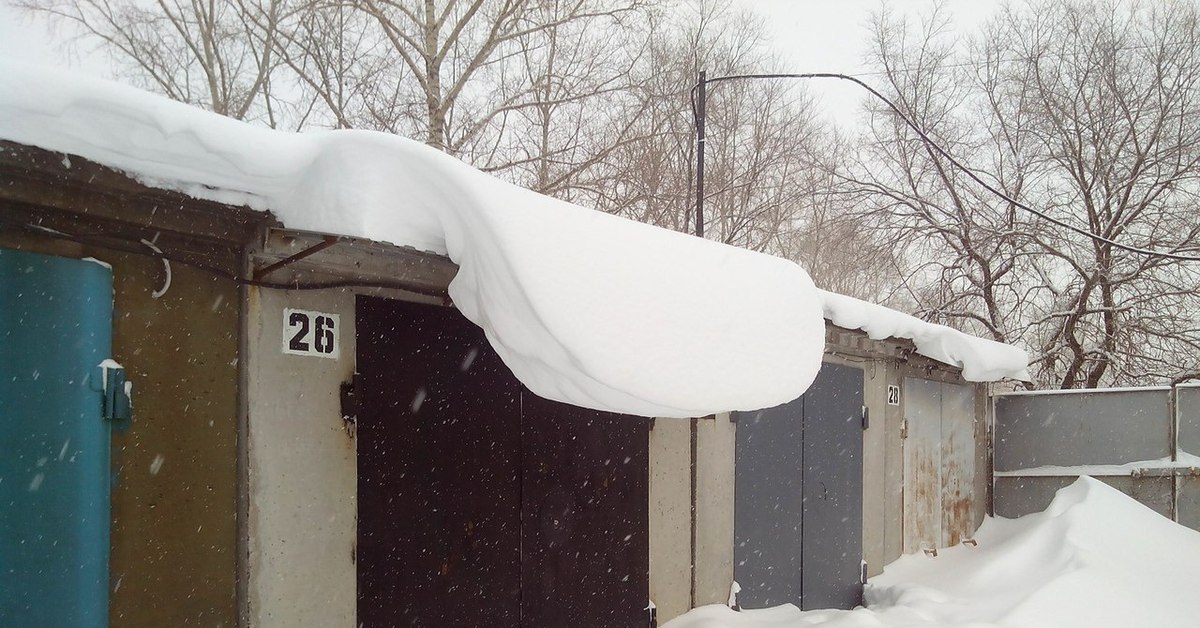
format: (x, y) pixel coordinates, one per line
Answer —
(55, 330)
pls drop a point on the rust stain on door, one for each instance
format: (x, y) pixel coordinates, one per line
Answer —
(922, 466)
(939, 464)
(958, 462)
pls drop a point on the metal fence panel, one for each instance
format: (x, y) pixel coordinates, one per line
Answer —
(1018, 496)
(1188, 495)
(1189, 502)
(1093, 433)
(1189, 419)
(1081, 428)
(1152, 491)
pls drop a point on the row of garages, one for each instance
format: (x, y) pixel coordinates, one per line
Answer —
(331, 443)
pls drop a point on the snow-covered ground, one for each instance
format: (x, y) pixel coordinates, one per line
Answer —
(1095, 558)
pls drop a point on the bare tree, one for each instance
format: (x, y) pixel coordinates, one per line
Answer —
(587, 100)
(1087, 110)
(582, 104)
(459, 54)
(218, 55)
(841, 251)
(339, 70)
(761, 135)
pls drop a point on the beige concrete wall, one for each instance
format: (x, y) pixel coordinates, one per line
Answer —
(893, 480)
(983, 460)
(675, 587)
(875, 486)
(715, 445)
(670, 517)
(302, 470)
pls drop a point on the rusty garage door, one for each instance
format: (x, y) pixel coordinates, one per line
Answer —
(939, 463)
(481, 503)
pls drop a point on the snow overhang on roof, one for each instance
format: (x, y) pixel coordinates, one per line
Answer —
(981, 360)
(584, 307)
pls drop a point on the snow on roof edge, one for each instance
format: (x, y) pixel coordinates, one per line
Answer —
(584, 307)
(980, 359)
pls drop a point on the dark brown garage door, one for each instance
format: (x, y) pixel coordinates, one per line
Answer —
(481, 503)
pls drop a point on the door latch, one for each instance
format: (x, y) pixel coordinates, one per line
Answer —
(116, 391)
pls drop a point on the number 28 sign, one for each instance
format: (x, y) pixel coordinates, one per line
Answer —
(310, 333)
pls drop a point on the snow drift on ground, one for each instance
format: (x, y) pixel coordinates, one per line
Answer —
(584, 307)
(981, 360)
(1095, 558)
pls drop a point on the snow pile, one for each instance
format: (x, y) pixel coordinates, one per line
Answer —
(981, 360)
(584, 307)
(1095, 558)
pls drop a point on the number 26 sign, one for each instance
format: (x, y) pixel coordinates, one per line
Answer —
(310, 333)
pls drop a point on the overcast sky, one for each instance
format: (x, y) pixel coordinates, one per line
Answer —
(831, 36)
(811, 36)
(19, 40)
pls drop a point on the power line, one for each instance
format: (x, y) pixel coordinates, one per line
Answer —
(1047, 56)
(945, 154)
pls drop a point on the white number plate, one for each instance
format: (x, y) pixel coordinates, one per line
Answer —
(311, 333)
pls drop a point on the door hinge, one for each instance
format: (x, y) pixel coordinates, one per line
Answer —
(863, 578)
(904, 429)
(866, 418)
(652, 615)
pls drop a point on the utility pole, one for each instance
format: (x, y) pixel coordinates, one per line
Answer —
(701, 97)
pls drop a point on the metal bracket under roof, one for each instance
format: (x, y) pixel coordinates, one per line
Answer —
(326, 242)
(306, 258)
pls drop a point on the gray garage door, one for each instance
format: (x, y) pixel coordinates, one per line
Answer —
(798, 496)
